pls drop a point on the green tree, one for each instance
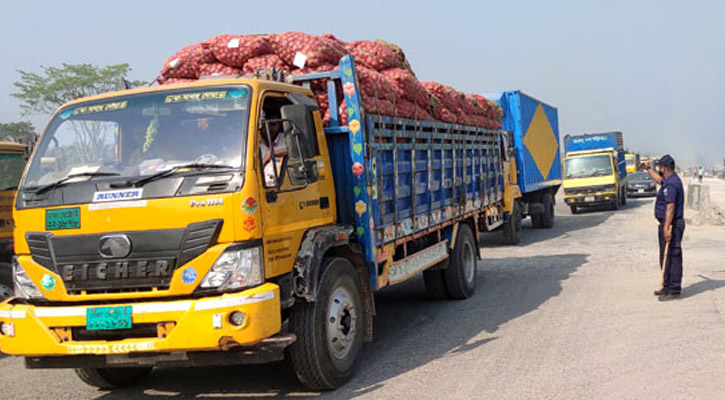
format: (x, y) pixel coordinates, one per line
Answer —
(16, 131)
(43, 93)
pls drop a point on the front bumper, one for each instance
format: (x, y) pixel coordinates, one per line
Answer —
(595, 199)
(635, 192)
(181, 325)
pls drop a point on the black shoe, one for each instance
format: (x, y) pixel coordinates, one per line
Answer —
(660, 292)
(669, 296)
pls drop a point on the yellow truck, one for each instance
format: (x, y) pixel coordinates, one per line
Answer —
(12, 161)
(594, 171)
(632, 162)
(219, 222)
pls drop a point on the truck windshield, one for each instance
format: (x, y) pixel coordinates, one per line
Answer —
(588, 166)
(630, 161)
(11, 168)
(140, 135)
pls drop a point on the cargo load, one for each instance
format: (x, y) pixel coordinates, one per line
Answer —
(388, 83)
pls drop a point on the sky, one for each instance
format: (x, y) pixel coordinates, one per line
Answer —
(653, 69)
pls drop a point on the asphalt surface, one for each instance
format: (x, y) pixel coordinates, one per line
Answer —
(568, 314)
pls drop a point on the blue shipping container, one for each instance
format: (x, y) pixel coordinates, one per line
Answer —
(597, 141)
(535, 127)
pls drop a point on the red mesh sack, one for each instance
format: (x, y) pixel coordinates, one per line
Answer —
(408, 109)
(236, 50)
(445, 95)
(170, 81)
(217, 69)
(409, 85)
(330, 36)
(318, 50)
(186, 62)
(373, 83)
(263, 62)
(374, 55)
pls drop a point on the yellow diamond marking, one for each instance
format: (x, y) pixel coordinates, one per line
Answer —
(541, 142)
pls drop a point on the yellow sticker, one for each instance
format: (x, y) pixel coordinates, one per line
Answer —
(177, 98)
(119, 105)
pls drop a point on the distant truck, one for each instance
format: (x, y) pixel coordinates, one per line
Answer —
(12, 162)
(534, 173)
(594, 171)
(632, 161)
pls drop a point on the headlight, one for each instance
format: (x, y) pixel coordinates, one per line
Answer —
(24, 286)
(236, 268)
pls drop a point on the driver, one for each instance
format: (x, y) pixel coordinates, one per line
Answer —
(278, 146)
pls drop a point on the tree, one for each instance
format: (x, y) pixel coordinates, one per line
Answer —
(16, 131)
(43, 93)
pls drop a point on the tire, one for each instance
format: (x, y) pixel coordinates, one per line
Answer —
(460, 275)
(547, 218)
(574, 209)
(435, 284)
(6, 292)
(536, 220)
(624, 198)
(107, 378)
(330, 330)
(512, 229)
(615, 204)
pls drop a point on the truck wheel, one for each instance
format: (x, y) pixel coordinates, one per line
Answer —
(330, 330)
(435, 284)
(461, 272)
(536, 220)
(107, 378)
(615, 203)
(547, 218)
(574, 209)
(512, 229)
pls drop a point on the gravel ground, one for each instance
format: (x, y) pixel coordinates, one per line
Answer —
(568, 314)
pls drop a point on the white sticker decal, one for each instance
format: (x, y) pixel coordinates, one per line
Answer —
(300, 60)
(116, 195)
(110, 348)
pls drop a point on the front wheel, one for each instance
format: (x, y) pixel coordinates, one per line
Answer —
(330, 330)
(108, 378)
(574, 209)
(461, 272)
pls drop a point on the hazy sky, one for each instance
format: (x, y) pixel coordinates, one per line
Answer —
(653, 69)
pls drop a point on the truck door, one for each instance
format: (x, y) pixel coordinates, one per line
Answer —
(294, 206)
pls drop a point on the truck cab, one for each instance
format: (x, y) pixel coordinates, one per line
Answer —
(632, 162)
(12, 162)
(594, 171)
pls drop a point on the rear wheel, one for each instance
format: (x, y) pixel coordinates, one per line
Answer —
(107, 378)
(547, 218)
(460, 276)
(512, 229)
(330, 330)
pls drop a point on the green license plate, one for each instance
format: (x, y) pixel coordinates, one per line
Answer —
(108, 318)
(62, 218)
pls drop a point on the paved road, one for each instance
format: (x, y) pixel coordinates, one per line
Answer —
(568, 314)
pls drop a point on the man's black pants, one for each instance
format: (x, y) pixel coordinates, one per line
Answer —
(673, 266)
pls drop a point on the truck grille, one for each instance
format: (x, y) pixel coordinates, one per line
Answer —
(588, 190)
(149, 266)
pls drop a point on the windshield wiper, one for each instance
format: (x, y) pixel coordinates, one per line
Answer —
(60, 182)
(9, 188)
(173, 170)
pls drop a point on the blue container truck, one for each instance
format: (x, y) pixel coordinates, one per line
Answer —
(595, 170)
(535, 167)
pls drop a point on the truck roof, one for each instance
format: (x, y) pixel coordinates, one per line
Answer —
(12, 147)
(255, 83)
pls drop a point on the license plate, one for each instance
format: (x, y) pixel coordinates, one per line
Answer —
(589, 199)
(62, 218)
(108, 318)
(640, 190)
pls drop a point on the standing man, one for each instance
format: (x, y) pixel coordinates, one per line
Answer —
(669, 211)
